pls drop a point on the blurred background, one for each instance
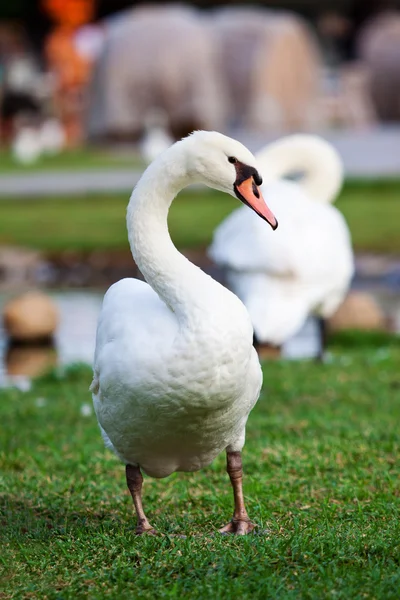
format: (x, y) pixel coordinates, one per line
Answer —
(91, 91)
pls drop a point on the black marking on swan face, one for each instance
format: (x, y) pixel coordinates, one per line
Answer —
(244, 172)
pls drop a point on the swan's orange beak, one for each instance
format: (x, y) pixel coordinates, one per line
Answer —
(248, 192)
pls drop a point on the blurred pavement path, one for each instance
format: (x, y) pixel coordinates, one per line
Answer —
(366, 153)
(64, 183)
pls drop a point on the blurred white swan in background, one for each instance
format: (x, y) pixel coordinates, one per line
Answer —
(26, 147)
(32, 141)
(175, 370)
(306, 266)
(52, 137)
(156, 137)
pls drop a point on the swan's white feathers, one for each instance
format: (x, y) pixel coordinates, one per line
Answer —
(245, 242)
(151, 416)
(312, 156)
(175, 373)
(207, 159)
(215, 141)
(305, 265)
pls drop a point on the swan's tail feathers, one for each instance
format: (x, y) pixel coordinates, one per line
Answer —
(313, 158)
(95, 385)
(276, 307)
(275, 321)
(108, 443)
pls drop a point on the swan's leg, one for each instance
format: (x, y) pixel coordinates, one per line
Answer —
(134, 479)
(266, 351)
(323, 334)
(240, 523)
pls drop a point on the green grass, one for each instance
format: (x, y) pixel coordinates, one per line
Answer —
(77, 159)
(322, 481)
(372, 210)
(98, 222)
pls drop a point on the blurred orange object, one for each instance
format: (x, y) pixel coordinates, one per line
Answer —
(70, 13)
(70, 67)
(71, 71)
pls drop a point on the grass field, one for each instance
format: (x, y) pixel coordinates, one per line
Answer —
(322, 482)
(98, 222)
(79, 159)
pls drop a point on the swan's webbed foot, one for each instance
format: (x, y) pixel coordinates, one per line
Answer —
(144, 526)
(238, 527)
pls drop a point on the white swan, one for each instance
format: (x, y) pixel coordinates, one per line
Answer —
(175, 371)
(307, 265)
(52, 137)
(26, 147)
(156, 137)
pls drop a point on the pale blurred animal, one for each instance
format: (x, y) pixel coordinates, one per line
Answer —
(156, 137)
(307, 265)
(156, 57)
(270, 63)
(175, 370)
(378, 46)
(26, 146)
(52, 137)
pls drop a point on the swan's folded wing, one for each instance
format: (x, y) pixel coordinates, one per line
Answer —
(277, 307)
(134, 325)
(311, 242)
(244, 242)
(324, 250)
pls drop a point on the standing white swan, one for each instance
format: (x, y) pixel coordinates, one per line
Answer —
(307, 265)
(175, 370)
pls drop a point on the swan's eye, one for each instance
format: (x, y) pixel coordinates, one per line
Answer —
(232, 159)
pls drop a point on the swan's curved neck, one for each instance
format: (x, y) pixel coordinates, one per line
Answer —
(181, 285)
(317, 160)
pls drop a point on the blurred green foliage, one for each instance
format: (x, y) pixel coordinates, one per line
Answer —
(97, 222)
(80, 159)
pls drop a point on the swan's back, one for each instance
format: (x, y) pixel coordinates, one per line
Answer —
(282, 276)
(311, 238)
